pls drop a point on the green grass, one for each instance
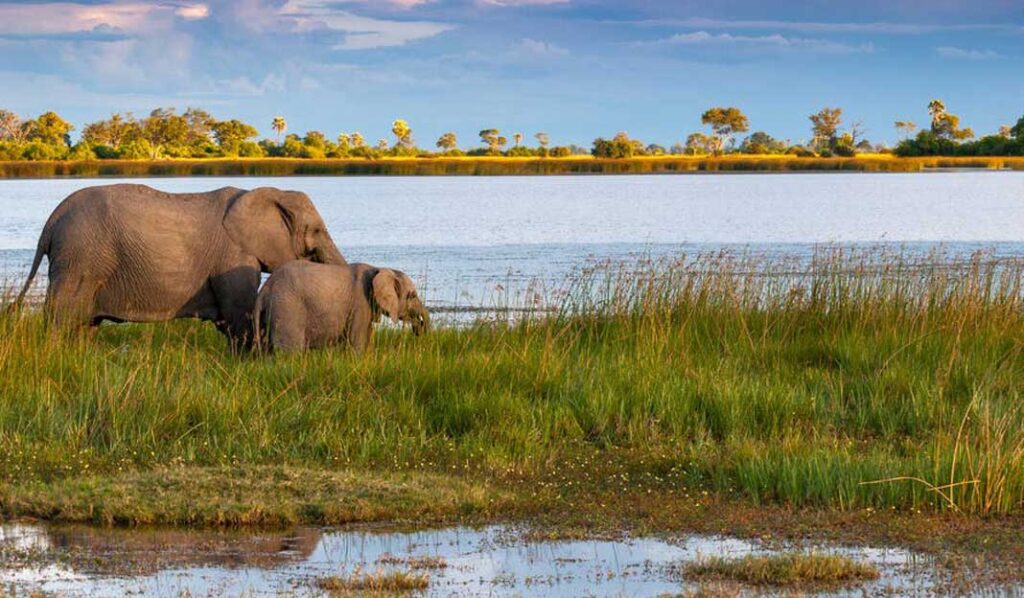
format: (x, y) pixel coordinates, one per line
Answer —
(866, 381)
(790, 570)
(488, 166)
(270, 496)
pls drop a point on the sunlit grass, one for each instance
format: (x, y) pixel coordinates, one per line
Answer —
(858, 380)
(790, 570)
(378, 582)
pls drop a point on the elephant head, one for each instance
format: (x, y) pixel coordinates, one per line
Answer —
(394, 294)
(279, 226)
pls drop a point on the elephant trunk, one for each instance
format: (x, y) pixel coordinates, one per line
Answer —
(330, 255)
(421, 321)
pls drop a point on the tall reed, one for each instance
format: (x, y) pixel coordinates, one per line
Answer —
(846, 379)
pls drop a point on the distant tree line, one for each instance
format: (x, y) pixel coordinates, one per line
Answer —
(945, 137)
(165, 133)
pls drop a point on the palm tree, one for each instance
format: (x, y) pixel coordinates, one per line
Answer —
(543, 139)
(518, 137)
(280, 126)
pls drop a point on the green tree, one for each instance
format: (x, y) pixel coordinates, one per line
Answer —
(447, 142)
(315, 139)
(112, 132)
(543, 139)
(760, 142)
(358, 140)
(51, 129)
(402, 133)
(230, 134)
(946, 125)
(724, 123)
(825, 128)
(491, 138)
(200, 126)
(292, 147)
(136, 149)
(620, 146)
(699, 144)
(936, 108)
(1018, 130)
(82, 151)
(279, 125)
(165, 130)
(517, 138)
(343, 148)
(316, 146)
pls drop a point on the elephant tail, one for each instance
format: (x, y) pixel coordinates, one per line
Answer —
(42, 249)
(257, 324)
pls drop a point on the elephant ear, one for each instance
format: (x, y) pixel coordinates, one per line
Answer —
(406, 287)
(266, 223)
(385, 293)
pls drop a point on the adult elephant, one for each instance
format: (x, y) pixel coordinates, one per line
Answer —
(130, 253)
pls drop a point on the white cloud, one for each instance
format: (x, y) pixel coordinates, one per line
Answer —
(193, 12)
(967, 54)
(540, 49)
(880, 27)
(360, 32)
(295, 16)
(765, 41)
(398, 3)
(244, 86)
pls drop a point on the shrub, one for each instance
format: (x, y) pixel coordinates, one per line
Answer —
(82, 151)
(251, 149)
(37, 150)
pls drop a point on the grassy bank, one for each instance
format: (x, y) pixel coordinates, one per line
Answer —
(489, 166)
(860, 381)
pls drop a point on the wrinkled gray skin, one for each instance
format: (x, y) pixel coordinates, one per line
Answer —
(306, 306)
(130, 253)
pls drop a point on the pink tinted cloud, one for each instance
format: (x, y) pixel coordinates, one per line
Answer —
(522, 2)
(69, 17)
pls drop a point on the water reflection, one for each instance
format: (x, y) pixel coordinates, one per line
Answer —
(491, 561)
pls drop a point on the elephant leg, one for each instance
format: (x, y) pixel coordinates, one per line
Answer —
(71, 300)
(288, 334)
(360, 333)
(235, 292)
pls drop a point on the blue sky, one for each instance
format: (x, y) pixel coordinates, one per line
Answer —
(576, 69)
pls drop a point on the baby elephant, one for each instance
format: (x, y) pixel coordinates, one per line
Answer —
(306, 305)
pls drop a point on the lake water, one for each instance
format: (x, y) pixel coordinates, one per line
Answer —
(476, 241)
(494, 561)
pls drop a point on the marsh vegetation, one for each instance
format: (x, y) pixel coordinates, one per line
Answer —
(484, 166)
(857, 380)
(789, 570)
